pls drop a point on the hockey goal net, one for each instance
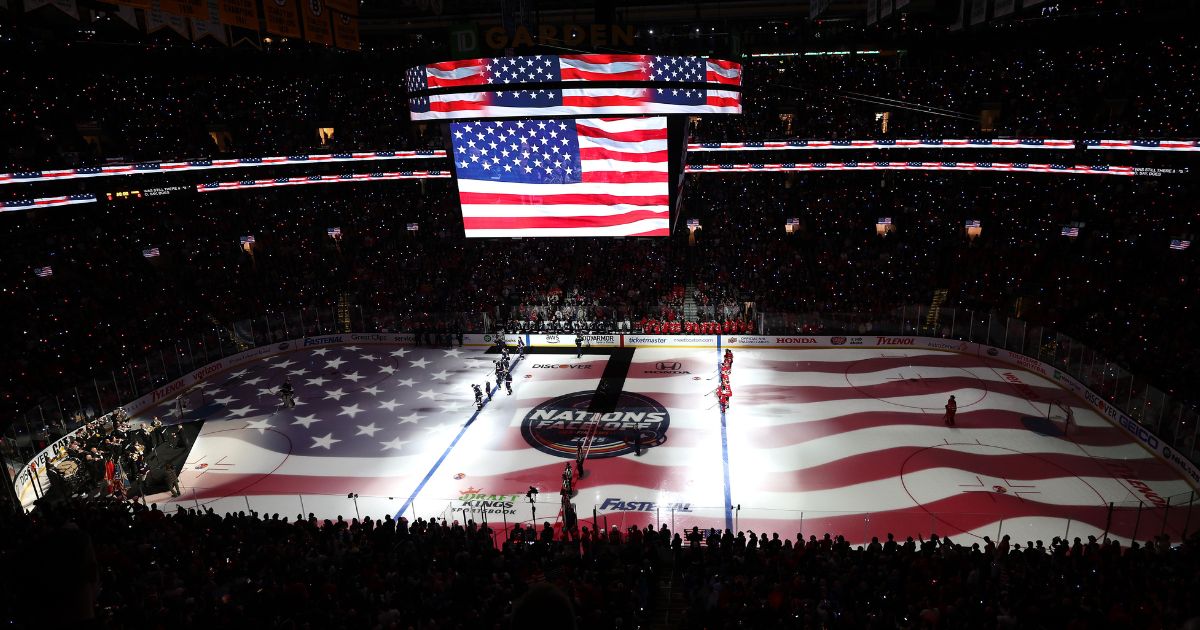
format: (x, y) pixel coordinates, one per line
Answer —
(1061, 416)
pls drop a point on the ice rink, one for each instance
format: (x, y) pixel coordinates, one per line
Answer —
(846, 441)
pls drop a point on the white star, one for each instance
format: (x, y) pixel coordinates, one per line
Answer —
(368, 357)
(400, 352)
(372, 390)
(285, 364)
(241, 411)
(353, 376)
(394, 444)
(421, 363)
(224, 401)
(262, 425)
(255, 381)
(449, 407)
(324, 442)
(300, 372)
(267, 391)
(429, 393)
(387, 369)
(319, 381)
(412, 417)
(353, 348)
(239, 373)
(335, 394)
(408, 382)
(440, 376)
(390, 405)
(320, 351)
(452, 353)
(334, 363)
(306, 420)
(369, 429)
(352, 410)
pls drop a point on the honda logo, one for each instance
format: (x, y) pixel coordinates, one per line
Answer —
(668, 365)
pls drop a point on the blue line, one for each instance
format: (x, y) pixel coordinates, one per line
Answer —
(725, 451)
(421, 486)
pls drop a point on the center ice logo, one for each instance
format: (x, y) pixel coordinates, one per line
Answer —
(559, 425)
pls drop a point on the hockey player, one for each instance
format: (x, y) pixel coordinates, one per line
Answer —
(508, 382)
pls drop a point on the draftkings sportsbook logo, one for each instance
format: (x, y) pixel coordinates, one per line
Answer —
(559, 425)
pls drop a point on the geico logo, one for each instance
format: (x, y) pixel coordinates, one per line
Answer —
(805, 340)
(563, 366)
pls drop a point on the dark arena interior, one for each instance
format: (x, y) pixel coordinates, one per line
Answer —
(754, 314)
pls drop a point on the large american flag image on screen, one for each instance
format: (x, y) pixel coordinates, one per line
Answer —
(575, 177)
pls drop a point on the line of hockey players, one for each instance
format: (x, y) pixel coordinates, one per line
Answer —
(503, 367)
(724, 392)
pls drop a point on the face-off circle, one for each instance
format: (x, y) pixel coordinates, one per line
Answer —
(559, 425)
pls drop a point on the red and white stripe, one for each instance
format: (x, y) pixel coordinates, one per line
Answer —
(603, 67)
(456, 73)
(325, 179)
(821, 145)
(1125, 171)
(723, 72)
(624, 191)
(1161, 145)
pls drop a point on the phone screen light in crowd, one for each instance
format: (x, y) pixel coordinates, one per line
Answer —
(412, 227)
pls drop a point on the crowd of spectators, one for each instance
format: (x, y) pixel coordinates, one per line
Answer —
(113, 564)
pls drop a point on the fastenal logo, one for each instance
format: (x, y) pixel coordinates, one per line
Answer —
(559, 425)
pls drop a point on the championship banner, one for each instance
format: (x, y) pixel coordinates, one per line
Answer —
(194, 9)
(66, 6)
(137, 4)
(347, 7)
(345, 31)
(239, 13)
(1002, 167)
(592, 101)
(282, 17)
(156, 20)
(210, 27)
(316, 22)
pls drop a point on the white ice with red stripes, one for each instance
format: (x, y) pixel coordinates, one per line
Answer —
(847, 441)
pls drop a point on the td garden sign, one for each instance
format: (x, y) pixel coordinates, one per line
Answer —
(559, 425)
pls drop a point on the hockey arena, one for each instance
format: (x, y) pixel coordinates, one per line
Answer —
(839, 435)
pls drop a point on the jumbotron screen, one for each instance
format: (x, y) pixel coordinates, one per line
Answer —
(578, 177)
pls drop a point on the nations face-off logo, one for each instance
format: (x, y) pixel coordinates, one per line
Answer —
(559, 425)
(838, 341)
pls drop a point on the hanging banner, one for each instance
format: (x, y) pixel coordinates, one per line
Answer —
(239, 13)
(885, 8)
(345, 31)
(127, 15)
(194, 9)
(1003, 7)
(978, 11)
(66, 6)
(282, 17)
(210, 27)
(157, 19)
(316, 22)
(872, 11)
(349, 7)
(137, 4)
